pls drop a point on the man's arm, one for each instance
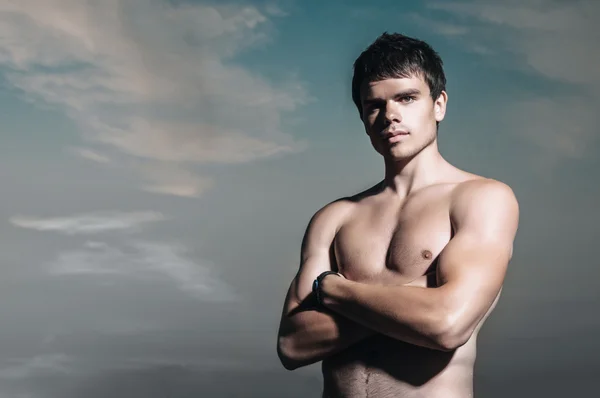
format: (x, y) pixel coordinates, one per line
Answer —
(306, 334)
(470, 275)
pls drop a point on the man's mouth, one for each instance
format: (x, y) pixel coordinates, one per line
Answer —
(394, 135)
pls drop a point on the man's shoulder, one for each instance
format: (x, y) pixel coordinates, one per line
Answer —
(347, 204)
(335, 213)
(478, 196)
(476, 186)
(331, 216)
(335, 209)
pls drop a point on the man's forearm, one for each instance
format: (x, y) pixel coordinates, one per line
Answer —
(415, 315)
(311, 336)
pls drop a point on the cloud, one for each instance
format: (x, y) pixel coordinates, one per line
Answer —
(152, 79)
(136, 260)
(164, 379)
(189, 189)
(275, 10)
(556, 41)
(36, 366)
(565, 128)
(443, 28)
(181, 142)
(89, 155)
(167, 178)
(161, 177)
(144, 261)
(92, 223)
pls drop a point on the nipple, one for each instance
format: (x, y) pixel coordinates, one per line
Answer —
(426, 254)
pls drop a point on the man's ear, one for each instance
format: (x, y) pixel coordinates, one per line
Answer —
(440, 106)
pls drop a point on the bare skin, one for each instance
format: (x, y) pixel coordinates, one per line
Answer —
(421, 258)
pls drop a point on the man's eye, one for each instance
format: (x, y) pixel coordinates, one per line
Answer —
(408, 99)
(370, 109)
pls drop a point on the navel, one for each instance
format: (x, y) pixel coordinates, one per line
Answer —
(426, 254)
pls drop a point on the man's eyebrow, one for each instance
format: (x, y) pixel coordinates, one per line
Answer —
(410, 91)
(403, 93)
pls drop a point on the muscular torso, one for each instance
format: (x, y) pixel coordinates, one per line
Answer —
(389, 241)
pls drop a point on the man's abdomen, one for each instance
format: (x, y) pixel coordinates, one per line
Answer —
(381, 367)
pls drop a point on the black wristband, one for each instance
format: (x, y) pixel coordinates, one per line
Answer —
(316, 287)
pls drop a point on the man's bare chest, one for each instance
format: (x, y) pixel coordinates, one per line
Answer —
(395, 245)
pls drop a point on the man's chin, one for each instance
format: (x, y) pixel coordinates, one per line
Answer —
(399, 154)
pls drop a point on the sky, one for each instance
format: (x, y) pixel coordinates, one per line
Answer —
(161, 160)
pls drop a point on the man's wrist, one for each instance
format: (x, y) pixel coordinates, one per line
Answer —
(318, 286)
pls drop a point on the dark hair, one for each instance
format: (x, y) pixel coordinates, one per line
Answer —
(397, 56)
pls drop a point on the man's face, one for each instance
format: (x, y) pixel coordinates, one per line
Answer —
(400, 116)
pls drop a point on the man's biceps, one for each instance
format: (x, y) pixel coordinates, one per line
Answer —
(309, 271)
(469, 243)
(316, 264)
(469, 261)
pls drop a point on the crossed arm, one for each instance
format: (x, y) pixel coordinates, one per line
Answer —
(308, 334)
(470, 274)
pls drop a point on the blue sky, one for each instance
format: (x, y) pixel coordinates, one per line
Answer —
(162, 159)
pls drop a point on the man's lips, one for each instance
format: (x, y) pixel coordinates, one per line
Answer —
(391, 134)
(394, 136)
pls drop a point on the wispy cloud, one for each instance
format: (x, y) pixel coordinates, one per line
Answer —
(151, 79)
(93, 223)
(133, 260)
(555, 40)
(89, 154)
(13, 369)
(171, 261)
(145, 262)
(168, 178)
(30, 367)
(444, 28)
(55, 374)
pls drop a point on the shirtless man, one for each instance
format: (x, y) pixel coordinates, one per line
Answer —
(416, 263)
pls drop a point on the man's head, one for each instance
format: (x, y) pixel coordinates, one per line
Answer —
(399, 86)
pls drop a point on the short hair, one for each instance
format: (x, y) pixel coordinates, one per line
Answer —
(398, 56)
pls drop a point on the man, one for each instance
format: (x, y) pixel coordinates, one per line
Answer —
(395, 282)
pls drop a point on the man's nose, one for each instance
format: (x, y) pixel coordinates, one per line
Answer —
(392, 113)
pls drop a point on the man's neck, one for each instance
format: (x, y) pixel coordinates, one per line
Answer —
(406, 176)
